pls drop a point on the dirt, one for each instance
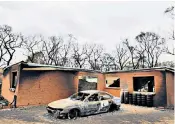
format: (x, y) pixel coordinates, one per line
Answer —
(128, 114)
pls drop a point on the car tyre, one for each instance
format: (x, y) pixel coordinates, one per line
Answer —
(73, 114)
(118, 107)
(112, 108)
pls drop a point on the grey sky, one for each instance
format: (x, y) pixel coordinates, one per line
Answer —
(100, 22)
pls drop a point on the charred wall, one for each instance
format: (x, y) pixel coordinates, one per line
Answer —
(170, 89)
(43, 87)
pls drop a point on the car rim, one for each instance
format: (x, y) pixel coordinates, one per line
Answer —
(72, 114)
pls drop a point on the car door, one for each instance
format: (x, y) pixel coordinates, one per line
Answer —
(105, 101)
(92, 104)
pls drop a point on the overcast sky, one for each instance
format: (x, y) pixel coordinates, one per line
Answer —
(106, 23)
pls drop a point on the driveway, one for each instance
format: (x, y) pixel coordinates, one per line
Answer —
(128, 114)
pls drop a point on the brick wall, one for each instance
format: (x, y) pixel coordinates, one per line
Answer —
(170, 89)
(126, 81)
(6, 83)
(43, 87)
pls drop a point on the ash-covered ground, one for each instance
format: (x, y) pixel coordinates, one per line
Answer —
(128, 114)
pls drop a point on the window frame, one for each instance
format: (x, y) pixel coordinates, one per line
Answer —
(106, 82)
(154, 89)
(105, 94)
(11, 81)
(92, 95)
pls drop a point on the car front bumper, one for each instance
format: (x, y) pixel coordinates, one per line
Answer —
(59, 112)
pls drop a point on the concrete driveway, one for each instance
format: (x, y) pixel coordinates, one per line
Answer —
(128, 114)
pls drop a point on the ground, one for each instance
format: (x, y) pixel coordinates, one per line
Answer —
(128, 114)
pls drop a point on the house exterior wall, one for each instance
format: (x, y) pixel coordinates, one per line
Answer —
(43, 87)
(170, 89)
(6, 83)
(126, 82)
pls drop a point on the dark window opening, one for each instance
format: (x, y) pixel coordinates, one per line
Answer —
(14, 80)
(143, 84)
(94, 97)
(79, 96)
(104, 96)
(87, 83)
(115, 83)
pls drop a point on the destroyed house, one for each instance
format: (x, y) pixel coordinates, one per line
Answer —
(35, 84)
(158, 81)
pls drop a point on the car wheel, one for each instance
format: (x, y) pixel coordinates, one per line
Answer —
(112, 108)
(118, 107)
(73, 114)
(56, 114)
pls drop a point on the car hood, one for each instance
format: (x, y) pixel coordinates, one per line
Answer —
(64, 103)
(117, 100)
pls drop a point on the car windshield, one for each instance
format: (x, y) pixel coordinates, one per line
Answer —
(79, 96)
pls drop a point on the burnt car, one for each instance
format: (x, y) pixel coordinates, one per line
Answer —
(84, 103)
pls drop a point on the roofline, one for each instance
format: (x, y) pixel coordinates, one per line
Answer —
(18, 63)
(42, 67)
(142, 69)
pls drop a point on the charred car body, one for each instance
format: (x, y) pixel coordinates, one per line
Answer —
(84, 103)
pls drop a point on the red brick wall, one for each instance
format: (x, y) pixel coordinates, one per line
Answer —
(6, 93)
(6, 82)
(126, 79)
(170, 88)
(43, 87)
(113, 91)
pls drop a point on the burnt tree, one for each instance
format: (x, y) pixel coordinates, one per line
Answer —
(170, 12)
(9, 43)
(32, 46)
(51, 47)
(79, 55)
(94, 53)
(108, 62)
(121, 57)
(152, 46)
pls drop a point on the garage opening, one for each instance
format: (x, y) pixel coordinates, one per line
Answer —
(87, 83)
(143, 84)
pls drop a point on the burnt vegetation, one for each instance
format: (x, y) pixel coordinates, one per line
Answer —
(69, 52)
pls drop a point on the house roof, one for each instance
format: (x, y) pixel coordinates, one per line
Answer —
(42, 67)
(143, 69)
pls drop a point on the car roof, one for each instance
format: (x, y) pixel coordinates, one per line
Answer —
(90, 91)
